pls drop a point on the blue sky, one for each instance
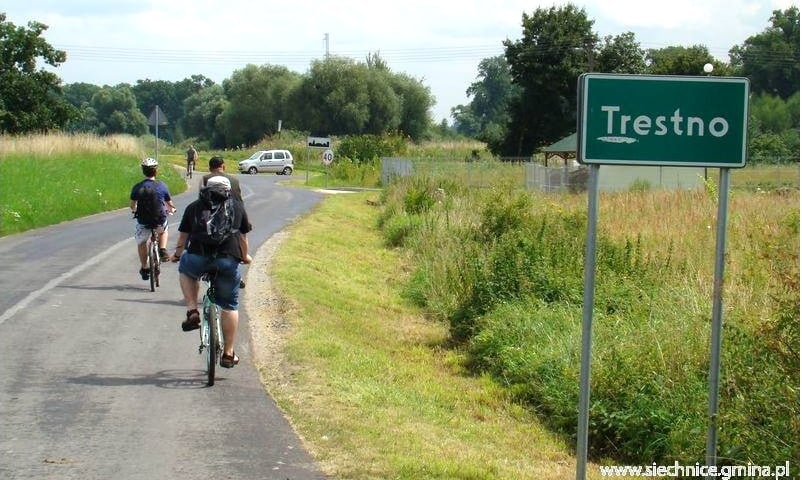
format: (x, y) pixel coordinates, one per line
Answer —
(440, 43)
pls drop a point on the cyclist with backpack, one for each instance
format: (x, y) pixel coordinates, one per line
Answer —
(213, 231)
(150, 204)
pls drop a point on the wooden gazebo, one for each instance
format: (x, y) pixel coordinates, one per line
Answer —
(564, 148)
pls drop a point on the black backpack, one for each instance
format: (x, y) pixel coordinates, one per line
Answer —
(217, 215)
(150, 210)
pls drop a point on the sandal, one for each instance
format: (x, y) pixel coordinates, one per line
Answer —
(192, 322)
(228, 361)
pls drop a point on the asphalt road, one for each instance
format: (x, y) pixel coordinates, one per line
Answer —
(97, 380)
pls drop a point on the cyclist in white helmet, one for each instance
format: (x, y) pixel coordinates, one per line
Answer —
(150, 204)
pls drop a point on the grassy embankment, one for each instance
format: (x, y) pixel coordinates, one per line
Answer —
(48, 179)
(372, 384)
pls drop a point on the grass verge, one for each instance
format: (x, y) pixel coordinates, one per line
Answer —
(368, 381)
(38, 191)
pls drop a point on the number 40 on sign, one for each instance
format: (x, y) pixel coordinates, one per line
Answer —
(328, 157)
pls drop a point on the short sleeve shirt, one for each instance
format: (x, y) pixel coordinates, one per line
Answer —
(159, 186)
(235, 188)
(191, 224)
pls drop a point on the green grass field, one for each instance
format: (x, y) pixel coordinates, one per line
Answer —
(48, 179)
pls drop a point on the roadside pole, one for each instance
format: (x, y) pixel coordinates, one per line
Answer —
(157, 135)
(715, 336)
(587, 324)
(322, 143)
(156, 118)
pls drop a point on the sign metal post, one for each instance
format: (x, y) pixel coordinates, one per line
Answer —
(317, 143)
(587, 323)
(156, 118)
(659, 121)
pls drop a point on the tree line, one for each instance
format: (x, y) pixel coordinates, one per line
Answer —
(523, 99)
(526, 98)
(338, 96)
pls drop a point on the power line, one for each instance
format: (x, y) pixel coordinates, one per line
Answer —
(406, 55)
(82, 52)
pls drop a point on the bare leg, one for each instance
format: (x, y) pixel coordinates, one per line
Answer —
(163, 240)
(230, 320)
(189, 288)
(142, 249)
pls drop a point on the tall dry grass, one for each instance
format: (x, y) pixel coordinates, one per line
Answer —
(504, 267)
(47, 179)
(60, 143)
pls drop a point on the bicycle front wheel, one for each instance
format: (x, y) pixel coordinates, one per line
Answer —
(212, 314)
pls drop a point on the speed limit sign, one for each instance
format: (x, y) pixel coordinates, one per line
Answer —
(328, 157)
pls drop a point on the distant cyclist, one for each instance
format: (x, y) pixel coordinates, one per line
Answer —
(192, 157)
(150, 204)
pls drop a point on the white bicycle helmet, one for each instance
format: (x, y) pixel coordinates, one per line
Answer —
(150, 162)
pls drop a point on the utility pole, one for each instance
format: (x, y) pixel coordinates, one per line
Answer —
(589, 47)
(326, 39)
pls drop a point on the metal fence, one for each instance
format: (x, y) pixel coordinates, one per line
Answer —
(573, 178)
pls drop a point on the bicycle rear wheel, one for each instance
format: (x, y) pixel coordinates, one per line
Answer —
(211, 314)
(158, 263)
(153, 258)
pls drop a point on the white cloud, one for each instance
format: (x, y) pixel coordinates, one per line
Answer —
(440, 42)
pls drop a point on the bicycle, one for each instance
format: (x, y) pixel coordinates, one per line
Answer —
(154, 260)
(211, 330)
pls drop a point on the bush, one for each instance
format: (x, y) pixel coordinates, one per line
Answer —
(398, 229)
(348, 172)
(369, 148)
(533, 348)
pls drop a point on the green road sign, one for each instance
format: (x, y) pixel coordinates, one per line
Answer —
(662, 120)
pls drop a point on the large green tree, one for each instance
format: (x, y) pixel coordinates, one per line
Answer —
(117, 111)
(486, 117)
(79, 95)
(340, 96)
(150, 93)
(678, 60)
(258, 99)
(384, 103)
(620, 54)
(202, 113)
(771, 59)
(416, 101)
(30, 97)
(555, 48)
(170, 97)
